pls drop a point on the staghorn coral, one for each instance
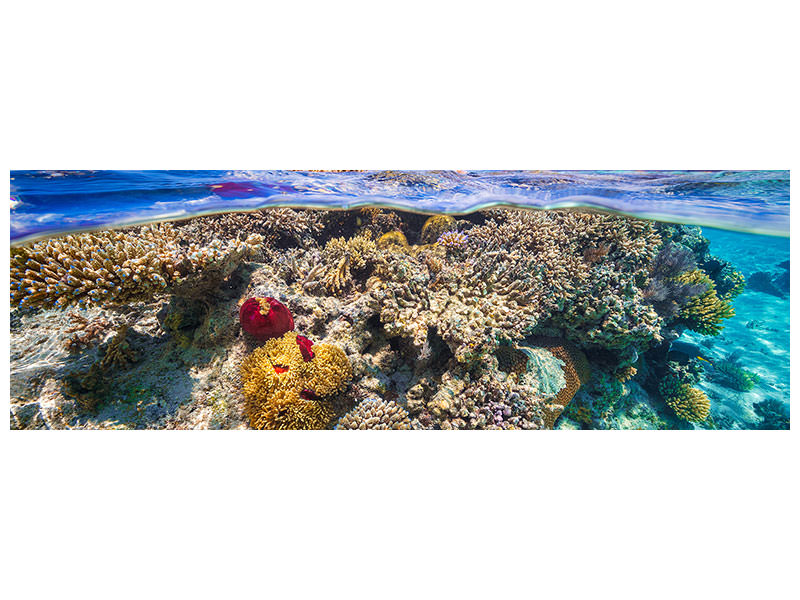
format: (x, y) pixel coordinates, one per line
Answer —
(473, 304)
(689, 403)
(119, 266)
(704, 313)
(284, 390)
(375, 414)
(435, 226)
(734, 376)
(279, 226)
(343, 257)
(599, 303)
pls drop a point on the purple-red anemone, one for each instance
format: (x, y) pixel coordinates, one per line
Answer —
(265, 318)
(305, 347)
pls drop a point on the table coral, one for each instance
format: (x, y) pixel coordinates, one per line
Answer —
(375, 413)
(285, 390)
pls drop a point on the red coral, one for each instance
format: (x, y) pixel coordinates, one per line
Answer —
(265, 318)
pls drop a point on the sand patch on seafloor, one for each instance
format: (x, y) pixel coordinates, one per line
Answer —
(759, 333)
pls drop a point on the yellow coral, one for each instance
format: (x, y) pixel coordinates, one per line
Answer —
(704, 313)
(690, 404)
(394, 240)
(436, 226)
(282, 389)
(331, 370)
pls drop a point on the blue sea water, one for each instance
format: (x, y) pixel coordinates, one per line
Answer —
(50, 203)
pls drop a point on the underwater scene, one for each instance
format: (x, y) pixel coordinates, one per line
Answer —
(566, 300)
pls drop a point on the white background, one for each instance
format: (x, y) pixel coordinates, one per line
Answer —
(446, 85)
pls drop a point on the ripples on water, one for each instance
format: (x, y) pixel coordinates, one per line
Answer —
(50, 203)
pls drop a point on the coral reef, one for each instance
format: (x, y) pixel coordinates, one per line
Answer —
(284, 390)
(689, 403)
(281, 227)
(485, 322)
(119, 266)
(376, 414)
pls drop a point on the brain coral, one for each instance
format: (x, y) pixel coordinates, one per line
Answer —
(283, 390)
(393, 240)
(704, 313)
(690, 404)
(376, 414)
(576, 372)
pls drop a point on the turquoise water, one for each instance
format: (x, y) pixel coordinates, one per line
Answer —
(409, 308)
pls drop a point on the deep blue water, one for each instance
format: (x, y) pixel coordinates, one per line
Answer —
(49, 203)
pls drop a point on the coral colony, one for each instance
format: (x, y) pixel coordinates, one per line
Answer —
(503, 319)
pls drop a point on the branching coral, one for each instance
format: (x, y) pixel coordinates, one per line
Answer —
(376, 414)
(473, 304)
(704, 313)
(278, 226)
(735, 376)
(285, 387)
(689, 403)
(482, 401)
(344, 257)
(117, 266)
